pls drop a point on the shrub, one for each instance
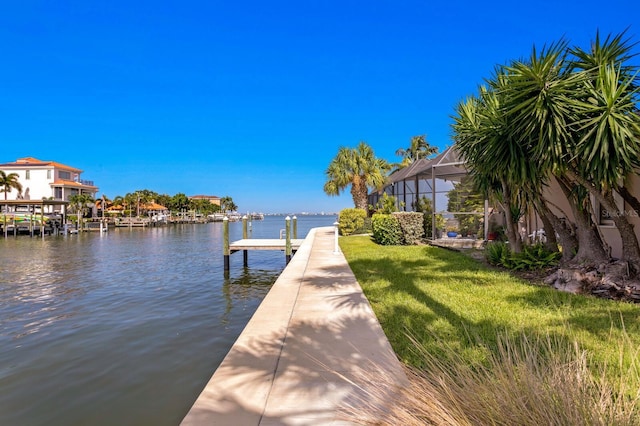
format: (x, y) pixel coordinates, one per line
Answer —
(532, 257)
(386, 229)
(386, 205)
(497, 253)
(350, 220)
(412, 226)
(366, 227)
(535, 257)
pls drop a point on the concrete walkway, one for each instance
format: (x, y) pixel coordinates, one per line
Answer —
(302, 354)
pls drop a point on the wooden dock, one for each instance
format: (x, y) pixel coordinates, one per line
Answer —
(263, 244)
(288, 245)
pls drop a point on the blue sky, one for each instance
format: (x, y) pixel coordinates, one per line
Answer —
(253, 99)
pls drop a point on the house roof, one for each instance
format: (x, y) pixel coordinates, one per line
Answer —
(204, 197)
(154, 206)
(70, 183)
(34, 162)
(448, 164)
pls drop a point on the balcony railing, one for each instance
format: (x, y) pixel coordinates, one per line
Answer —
(87, 182)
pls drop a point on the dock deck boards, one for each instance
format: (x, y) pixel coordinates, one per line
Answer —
(263, 244)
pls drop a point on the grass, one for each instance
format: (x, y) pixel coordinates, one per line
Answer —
(465, 330)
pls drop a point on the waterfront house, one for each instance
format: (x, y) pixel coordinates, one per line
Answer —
(211, 198)
(47, 180)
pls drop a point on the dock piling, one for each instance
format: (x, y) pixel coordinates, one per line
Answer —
(225, 238)
(287, 221)
(245, 253)
(295, 227)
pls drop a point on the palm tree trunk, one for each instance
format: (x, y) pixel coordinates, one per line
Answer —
(547, 218)
(630, 247)
(590, 246)
(566, 235)
(512, 231)
(359, 193)
(629, 198)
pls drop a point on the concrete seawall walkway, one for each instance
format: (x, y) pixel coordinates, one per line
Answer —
(302, 354)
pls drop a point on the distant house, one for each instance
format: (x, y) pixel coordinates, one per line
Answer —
(47, 180)
(212, 198)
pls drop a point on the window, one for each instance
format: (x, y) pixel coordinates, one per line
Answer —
(64, 175)
(49, 174)
(27, 174)
(57, 193)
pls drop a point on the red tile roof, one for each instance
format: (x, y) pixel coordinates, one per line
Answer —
(34, 162)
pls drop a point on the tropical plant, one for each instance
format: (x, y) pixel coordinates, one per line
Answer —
(466, 199)
(563, 116)
(131, 201)
(531, 258)
(418, 148)
(386, 205)
(227, 204)
(179, 202)
(163, 200)
(425, 206)
(358, 168)
(8, 182)
(79, 203)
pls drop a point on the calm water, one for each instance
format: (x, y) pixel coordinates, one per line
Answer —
(127, 327)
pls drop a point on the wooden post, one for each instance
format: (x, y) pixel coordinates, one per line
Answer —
(295, 227)
(31, 230)
(245, 253)
(225, 237)
(287, 228)
(486, 220)
(42, 220)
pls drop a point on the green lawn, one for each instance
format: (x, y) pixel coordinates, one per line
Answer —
(445, 299)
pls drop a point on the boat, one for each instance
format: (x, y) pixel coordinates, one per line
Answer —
(24, 223)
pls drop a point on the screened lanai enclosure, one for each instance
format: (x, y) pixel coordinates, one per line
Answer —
(442, 187)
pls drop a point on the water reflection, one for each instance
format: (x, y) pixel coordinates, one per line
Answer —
(250, 284)
(124, 328)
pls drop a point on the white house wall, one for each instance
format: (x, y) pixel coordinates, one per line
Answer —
(34, 188)
(559, 205)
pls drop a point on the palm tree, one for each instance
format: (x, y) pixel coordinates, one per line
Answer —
(609, 129)
(570, 119)
(581, 115)
(179, 202)
(359, 168)
(539, 92)
(418, 148)
(79, 203)
(498, 165)
(118, 201)
(227, 204)
(9, 182)
(130, 200)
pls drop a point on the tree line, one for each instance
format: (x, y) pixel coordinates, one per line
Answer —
(136, 203)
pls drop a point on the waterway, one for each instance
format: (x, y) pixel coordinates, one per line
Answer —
(125, 327)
